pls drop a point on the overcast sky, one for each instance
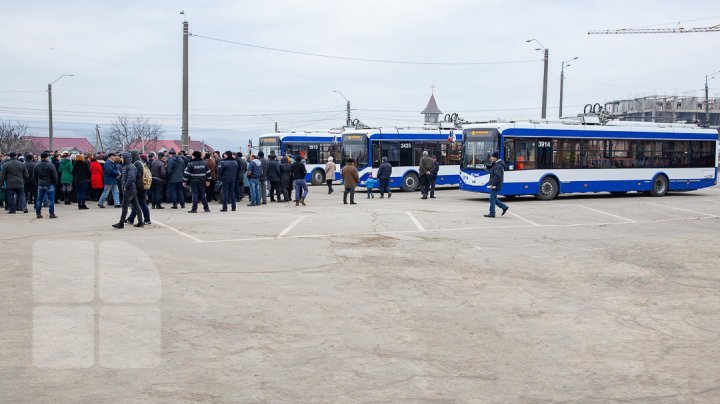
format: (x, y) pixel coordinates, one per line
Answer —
(127, 59)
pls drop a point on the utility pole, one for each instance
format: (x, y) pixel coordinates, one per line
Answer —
(348, 118)
(562, 80)
(50, 123)
(98, 138)
(707, 103)
(276, 131)
(545, 83)
(546, 58)
(50, 118)
(185, 134)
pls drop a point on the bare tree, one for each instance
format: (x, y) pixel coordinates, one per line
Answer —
(13, 137)
(136, 133)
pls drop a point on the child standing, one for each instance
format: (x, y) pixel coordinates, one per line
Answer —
(370, 184)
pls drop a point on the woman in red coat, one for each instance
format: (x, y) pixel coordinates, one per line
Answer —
(96, 178)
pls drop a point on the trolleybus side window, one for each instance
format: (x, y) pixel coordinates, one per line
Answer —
(509, 151)
(675, 153)
(567, 153)
(650, 154)
(450, 153)
(703, 154)
(433, 149)
(544, 153)
(597, 154)
(525, 154)
(623, 153)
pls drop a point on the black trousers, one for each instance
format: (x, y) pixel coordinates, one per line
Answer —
(350, 191)
(424, 184)
(275, 190)
(130, 197)
(384, 186)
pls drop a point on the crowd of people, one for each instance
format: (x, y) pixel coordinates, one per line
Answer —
(137, 182)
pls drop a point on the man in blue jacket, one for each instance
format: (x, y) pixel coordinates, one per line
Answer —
(227, 171)
(497, 176)
(175, 171)
(111, 173)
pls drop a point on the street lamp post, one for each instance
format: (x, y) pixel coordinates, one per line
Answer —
(349, 120)
(707, 97)
(546, 58)
(562, 80)
(50, 118)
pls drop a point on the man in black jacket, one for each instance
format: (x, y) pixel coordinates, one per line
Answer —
(497, 176)
(175, 169)
(158, 171)
(433, 176)
(14, 174)
(240, 180)
(45, 176)
(273, 176)
(197, 175)
(264, 177)
(383, 175)
(128, 186)
(227, 171)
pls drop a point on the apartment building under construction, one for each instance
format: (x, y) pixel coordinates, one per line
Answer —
(666, 109)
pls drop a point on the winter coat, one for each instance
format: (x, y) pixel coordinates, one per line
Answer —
(81, 172)
(175, 169)
(129, 173)
(350, 176)
(372, 183)
(435, 170)
(266, 167)
(255, 169)
(227, 171)
(426, 165)
(497, 175)
(385, 171)
(298, 170)
(196, 172)
(212, 166)
(110, 172)
(286, 174)
(242, 166)
(66, 171)
(273, 174)
(96, 175)
(157, 169)
(330, 169)
(30, 166)
(45, 174)
(14, 173)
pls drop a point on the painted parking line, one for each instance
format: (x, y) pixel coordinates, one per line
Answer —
(180, 232)
(607, 213)
(681, 209)
(291, 226)
(524, 220)
(415, 221)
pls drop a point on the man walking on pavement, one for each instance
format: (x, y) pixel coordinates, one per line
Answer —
(497, 175)
(128, 183)
(425, 169)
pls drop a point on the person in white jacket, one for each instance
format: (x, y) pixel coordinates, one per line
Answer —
(330, 169)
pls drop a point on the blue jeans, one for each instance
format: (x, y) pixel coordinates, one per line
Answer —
(254, 191)
(301, 185)
(228, 192)
(46, 191)
(177, 194)
(82, 192)
(13, 195)
(106, 192)
(494, 201)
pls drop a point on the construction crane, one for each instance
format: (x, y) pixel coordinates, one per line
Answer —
(676, 30)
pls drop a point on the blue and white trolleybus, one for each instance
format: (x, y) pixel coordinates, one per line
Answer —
(546, 159)
(314, 147)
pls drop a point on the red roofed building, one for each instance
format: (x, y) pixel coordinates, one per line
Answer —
(69, 144)
(166, 145)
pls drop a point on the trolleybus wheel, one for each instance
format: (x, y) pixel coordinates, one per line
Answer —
(317, 177)
(410, 182)
(659, 186)
(548, 189)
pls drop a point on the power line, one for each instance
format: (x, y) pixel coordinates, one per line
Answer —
(356, 59)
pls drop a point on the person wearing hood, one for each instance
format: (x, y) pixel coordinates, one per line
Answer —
(111, 173)
(330, 170)
(81, 173)
(497, 176)
(197, 176)
(140, 163)
(128, 184)
(66, 177)
(227, 171)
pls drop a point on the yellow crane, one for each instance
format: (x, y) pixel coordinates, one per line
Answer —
(677, 30)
